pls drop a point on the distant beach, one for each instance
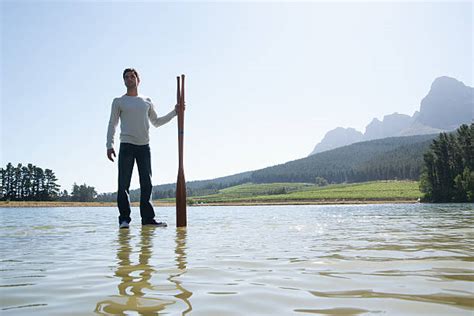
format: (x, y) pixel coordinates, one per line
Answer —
(167, 204)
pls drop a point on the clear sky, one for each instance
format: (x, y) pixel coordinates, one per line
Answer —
(265, 80)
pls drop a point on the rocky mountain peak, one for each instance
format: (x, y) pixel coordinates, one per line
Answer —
(448, 104)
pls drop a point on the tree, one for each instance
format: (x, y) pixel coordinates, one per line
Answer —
(321, 182)
(38, 184)
(64, 196)
(2, 183)
(448, 172)
(26, 183)
(464, 186)
(8, 182)
(51, 188)
(428, 178)
(83, 193)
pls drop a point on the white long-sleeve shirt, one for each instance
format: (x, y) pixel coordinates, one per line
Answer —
(135, 113)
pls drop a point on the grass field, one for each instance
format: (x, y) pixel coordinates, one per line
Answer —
(300, 192)
(277, 193)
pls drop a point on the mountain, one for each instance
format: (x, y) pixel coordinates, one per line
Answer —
(391, 125)
(448, 104)
(417, 128)
(338, 137)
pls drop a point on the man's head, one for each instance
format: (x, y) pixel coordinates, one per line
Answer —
(131, 78)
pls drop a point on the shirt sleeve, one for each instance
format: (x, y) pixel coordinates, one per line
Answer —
(113, 122)
(158, 121)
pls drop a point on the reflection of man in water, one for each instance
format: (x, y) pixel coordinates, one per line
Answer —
(136, 277)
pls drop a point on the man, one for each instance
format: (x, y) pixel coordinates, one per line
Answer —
(135, 112)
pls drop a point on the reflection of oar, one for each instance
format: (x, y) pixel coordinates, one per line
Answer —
(181, 183)
(181, 262)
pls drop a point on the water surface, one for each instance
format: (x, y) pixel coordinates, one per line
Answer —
(279, 260)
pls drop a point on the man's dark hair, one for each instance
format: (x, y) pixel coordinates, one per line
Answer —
(131, 70)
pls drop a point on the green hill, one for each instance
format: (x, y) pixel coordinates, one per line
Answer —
(302, 192)
(381, 159)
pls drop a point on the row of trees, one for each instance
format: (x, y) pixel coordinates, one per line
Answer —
(448, 173)
(79, 193)
(27, 183)
(32, 183)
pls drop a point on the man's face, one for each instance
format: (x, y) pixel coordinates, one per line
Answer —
(131, 81)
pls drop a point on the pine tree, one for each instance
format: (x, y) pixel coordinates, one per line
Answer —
(26, 183)
(2, 184)
(447, 175)
(51, 188)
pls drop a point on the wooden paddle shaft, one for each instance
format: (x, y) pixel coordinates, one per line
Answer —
(181, 220)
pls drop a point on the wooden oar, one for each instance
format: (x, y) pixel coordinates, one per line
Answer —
(181, 183)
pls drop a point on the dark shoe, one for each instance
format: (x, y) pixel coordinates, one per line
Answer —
(124, 224)
(156, 224)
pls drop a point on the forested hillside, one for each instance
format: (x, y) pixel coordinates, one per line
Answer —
(382, 159)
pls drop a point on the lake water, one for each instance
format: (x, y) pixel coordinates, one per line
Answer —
(278, 260)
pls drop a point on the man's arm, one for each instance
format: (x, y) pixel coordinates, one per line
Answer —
(113, 122)
(158, 121)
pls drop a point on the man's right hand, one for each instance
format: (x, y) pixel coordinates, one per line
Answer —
(111, 152)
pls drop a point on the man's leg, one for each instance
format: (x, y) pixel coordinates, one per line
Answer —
(144, 171)
(125, 164)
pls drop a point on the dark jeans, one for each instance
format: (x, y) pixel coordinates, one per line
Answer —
(127, 155)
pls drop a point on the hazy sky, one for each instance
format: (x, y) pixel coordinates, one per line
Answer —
(265, 80)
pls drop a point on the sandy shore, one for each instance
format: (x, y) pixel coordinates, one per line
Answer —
(163, 204)
(311, 202)
(70, 204)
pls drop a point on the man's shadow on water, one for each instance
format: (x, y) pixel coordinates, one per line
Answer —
(135, 278)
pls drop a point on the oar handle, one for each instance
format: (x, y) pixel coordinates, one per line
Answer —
(178, 92)
(182, 93)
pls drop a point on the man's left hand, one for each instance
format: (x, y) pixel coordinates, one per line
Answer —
(176, 107)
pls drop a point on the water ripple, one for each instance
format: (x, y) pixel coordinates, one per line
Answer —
(327, 260)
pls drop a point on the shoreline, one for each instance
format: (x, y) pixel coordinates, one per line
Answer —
(13, 204)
